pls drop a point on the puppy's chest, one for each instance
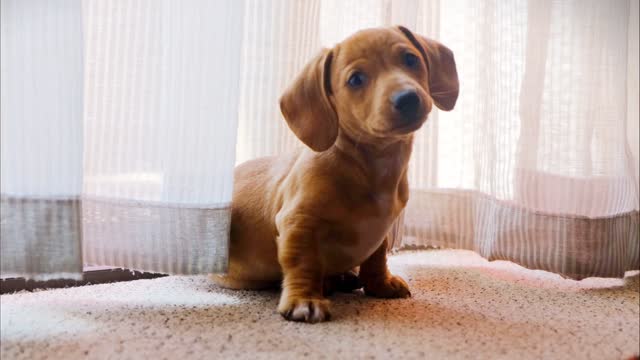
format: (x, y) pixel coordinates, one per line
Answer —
(364, 226)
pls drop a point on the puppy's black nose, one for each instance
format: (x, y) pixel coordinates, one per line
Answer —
(407, 103)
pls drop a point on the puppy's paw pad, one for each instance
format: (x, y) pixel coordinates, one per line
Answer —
(391, 287)
(305, 310)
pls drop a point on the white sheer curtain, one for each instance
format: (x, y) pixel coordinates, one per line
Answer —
(535, 165)
(119, 127)
(41, 75)
(118, 134)
(538, 162)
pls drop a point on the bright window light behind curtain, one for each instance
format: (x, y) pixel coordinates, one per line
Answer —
(118, 134)
(538, 162)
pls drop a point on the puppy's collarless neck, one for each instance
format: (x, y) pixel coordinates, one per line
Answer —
(381, 164)
(373, 148)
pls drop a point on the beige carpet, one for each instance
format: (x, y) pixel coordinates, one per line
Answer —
(462, 307)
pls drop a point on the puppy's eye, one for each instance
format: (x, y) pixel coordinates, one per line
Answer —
(356, 80)
(411, 60)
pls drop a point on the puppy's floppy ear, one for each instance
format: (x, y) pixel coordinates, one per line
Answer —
(306, 105)
(441, 66)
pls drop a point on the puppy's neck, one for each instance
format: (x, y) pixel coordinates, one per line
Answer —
(383, 164)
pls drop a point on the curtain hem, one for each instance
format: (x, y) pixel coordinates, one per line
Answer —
(44, 239)
(39, 237)
(574, 247)
(175, 240)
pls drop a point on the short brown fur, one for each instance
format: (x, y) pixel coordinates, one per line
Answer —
(321, 211)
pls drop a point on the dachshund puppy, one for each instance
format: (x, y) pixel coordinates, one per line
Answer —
(324, 210)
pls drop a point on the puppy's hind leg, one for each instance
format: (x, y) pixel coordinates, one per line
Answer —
(230, 282)
(243, 274)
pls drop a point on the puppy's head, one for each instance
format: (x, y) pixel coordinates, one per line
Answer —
(377, 84)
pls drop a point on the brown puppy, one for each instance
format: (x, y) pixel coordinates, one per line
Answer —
(317, 212)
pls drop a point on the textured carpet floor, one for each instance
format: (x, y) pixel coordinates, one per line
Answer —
(462, 307)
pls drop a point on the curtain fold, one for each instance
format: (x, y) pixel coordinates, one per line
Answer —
(534, 165)
(119, 121)
(162, 87)
(41, 75)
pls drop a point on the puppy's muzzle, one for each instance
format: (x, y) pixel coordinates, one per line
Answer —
(407, 104)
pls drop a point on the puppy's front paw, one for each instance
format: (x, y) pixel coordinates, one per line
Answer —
(389, 287)
(305, 310)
